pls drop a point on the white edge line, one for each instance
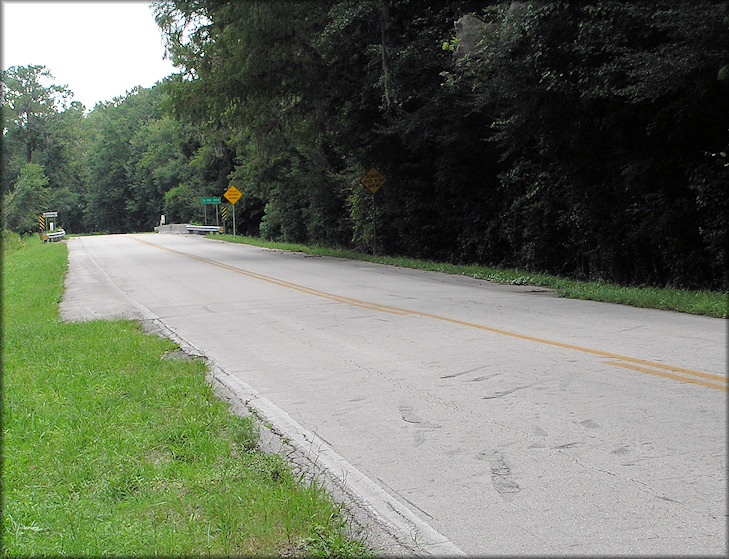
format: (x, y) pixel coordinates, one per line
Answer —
(385, 507)
(144, 311)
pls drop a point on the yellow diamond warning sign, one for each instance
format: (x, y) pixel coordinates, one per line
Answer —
(233, 194)
(373, 180)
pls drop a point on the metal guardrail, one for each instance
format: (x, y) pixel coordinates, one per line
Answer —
(202, 229)
(56, 235)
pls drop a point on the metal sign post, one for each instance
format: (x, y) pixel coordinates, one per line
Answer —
(233, 195)
(207, 201)
(374, 223)
(373, 181)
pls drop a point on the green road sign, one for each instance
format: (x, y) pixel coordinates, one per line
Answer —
(210, 200)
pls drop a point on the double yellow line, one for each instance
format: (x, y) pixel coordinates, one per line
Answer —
(717, 382)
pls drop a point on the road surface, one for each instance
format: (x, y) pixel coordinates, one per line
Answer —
(480, 419)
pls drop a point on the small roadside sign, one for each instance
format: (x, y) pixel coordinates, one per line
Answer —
(210, 200)
(233, 194)
(373, 180)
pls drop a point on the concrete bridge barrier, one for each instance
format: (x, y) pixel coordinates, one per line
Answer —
(173, 228)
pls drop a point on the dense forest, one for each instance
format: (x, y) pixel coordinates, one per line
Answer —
(587, 139)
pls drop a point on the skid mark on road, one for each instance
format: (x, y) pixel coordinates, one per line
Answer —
(616, 360)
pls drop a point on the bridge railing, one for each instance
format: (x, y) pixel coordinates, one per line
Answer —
(203, 229)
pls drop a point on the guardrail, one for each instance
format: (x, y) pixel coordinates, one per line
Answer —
(202, 229)
(56, 235)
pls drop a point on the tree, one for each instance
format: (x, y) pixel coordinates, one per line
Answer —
(155, 167)
(113, 204)
(604, 111)
(181, 205)
(42, 125)
(28, 104)
(252, 77)
(28, 199)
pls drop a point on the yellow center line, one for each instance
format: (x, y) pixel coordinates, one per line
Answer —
(280, 282)
(671, 376)
(409, 312)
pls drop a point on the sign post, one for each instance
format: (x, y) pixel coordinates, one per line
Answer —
(206, 201)
(233, 195)
(373, 181)
(47, 227)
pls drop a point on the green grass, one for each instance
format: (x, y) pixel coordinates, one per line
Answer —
(708, 303)
(111, 448)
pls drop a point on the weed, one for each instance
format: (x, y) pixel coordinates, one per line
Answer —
(243, 431)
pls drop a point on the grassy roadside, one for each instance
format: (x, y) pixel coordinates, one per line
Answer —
(708, 303)
(111, 448)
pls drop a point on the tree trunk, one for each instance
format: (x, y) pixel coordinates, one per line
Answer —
(384, 18)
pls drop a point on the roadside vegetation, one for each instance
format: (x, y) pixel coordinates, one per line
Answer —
(113, 448)
(709, 303)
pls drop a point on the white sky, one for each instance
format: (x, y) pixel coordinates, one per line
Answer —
(99, 50)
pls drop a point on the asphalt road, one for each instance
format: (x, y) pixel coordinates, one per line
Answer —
(478, 418)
